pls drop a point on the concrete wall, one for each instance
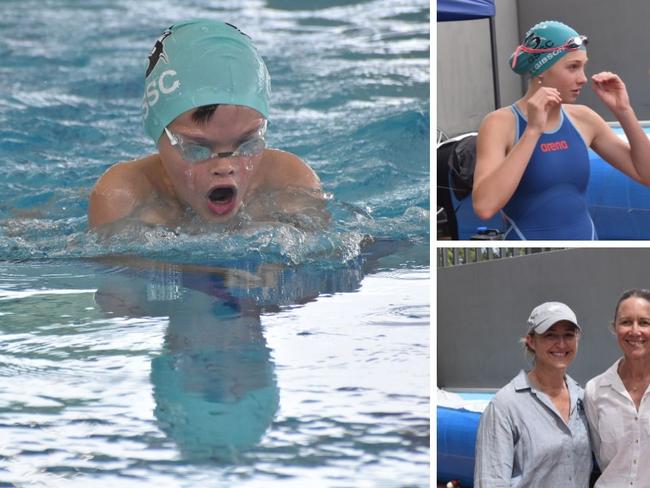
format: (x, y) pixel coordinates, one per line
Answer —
(507, 36)
(464, 69)
(464, 73)
(618, 42)
(482, 310)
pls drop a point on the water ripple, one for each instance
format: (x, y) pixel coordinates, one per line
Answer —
(335, 380)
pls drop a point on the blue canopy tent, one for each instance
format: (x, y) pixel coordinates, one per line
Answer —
(464, 9)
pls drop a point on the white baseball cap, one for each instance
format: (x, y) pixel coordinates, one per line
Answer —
(544, 316)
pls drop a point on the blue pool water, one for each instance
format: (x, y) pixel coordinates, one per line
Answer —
(252, 357)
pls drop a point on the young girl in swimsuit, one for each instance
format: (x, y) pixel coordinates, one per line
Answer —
(532, 159)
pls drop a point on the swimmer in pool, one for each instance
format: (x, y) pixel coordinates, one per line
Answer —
(532, 161)
(205, 105)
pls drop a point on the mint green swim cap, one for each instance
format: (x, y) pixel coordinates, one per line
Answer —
(545, 35)
(202, 62)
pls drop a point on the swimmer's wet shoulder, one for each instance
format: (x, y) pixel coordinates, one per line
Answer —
(212, 156)
(281, 169)
(133, 189)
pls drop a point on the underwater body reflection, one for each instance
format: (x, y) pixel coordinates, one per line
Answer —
(125, 371)
(214, 383)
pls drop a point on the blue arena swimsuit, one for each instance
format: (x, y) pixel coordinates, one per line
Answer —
(550, 201)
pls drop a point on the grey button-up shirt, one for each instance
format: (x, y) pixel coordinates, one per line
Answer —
(523, 441)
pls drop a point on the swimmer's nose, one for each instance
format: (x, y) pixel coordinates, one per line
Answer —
(222, 167)
(583, 78)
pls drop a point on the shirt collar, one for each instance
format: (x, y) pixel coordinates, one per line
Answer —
(610, 377)
(521, 383)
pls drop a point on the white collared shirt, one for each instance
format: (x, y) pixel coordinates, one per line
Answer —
(620, 435)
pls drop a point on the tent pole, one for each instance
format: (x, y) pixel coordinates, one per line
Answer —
(495, 67)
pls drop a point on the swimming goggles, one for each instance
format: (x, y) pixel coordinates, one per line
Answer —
(195, 153)
(570, 45)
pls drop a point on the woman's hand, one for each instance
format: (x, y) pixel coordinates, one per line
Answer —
(611, 90)
(539, 106)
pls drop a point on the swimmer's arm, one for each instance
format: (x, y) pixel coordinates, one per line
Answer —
(632, 157)
(115, 196)
(498, 173)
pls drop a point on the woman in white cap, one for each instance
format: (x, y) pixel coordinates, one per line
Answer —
(617, 403)
(534, 432)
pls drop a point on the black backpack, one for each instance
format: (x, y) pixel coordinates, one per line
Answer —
(456, 159)
(459, 154)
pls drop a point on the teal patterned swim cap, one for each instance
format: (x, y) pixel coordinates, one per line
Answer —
(202, 62)
(545, 35)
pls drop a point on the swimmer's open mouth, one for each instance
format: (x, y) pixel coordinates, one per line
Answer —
(222, 200)
(222, 195)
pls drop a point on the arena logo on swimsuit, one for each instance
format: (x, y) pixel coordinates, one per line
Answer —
(554, 146)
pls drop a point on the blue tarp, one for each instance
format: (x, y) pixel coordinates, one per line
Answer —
(464, 9)
(456, 435)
